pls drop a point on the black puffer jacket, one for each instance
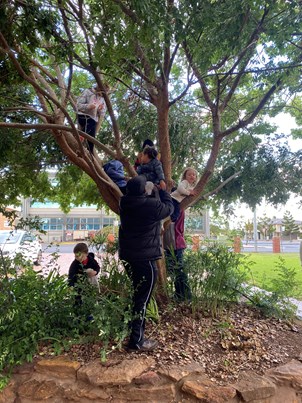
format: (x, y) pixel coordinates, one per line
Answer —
(139, 233)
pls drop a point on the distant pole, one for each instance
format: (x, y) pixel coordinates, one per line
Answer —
(255, 230)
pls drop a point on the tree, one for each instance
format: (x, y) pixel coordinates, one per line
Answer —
(265, 226)
(208, 69)
(290, 226)
(219, 226)
(248, 227)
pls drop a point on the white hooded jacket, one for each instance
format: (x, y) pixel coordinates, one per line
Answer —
(88, 97)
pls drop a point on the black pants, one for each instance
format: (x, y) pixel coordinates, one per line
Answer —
(88, 125)
(143, 276)
(176, 212)
(175, 268)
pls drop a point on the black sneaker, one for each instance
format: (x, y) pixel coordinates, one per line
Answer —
(148, 345)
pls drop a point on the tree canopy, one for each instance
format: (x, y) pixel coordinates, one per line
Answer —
(200, 78)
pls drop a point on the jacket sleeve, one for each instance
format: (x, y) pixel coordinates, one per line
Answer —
(83, 101)
(92, 263)
(72, 274)
(101, 112)
(96, 266)
(183, 188)
(165, 205)
(159, 170)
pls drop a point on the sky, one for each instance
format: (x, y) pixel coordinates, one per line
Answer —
(285, 123)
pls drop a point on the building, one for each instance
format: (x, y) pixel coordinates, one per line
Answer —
(78, 224)
(4, 222)
(279, 229)
(82, 222)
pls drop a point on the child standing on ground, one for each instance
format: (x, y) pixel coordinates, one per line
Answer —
(184, 188)
(84, 264)
(151, 167)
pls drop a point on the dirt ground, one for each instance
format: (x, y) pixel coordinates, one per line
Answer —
(239, 341)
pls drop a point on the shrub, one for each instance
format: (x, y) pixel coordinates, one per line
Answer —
(36, 308)
(32, 308)
(216, 277)
(113, 311)
(276, 302)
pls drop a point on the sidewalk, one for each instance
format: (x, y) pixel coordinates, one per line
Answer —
(62, 263)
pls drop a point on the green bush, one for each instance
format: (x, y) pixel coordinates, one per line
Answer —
(276, 301)
(37, 309)
(216, 277)
(113, 311)
(32, 308)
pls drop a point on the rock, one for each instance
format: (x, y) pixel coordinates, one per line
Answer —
(135, 380)
(24, 369)
(120, 374)
(176, 373)
(8, 395)
(78, 393)
(289, 374)
(254, 387)
(207, 391)
(149, 378)
(155, 394)
(60, 367)
(38, 391)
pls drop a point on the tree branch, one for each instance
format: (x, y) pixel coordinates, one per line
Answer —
(200, 79)
(219, 187)
(243, 123)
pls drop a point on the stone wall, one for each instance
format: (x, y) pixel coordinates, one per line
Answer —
(60, 380)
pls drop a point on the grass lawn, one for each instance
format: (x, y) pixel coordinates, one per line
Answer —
(265, 269)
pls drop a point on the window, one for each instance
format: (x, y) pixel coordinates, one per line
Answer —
(92, 223)
(109, 221)
(54, 224)
(47, 204)
(195, 222)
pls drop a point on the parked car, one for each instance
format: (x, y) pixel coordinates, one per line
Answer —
(21, 242)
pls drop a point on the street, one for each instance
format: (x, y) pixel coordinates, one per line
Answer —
(267, 246)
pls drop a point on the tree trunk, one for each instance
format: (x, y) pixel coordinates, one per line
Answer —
(162, 106)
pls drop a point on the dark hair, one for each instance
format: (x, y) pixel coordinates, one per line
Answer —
(80, 247)
(147, 142)
(151, 152)
(136, 185)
